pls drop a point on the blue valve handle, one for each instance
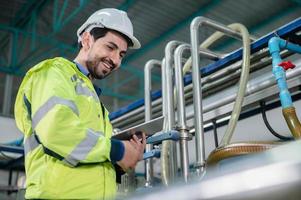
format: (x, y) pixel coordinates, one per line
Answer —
(151, 154)
(161, 136)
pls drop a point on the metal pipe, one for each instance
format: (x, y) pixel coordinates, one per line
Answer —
(168, 74)
(210, 55)
(251, 89)
(217, 26)
(165, 169)
(149, 171)
(181, 110)
(208, 80)
(194, 27)
(163, 83)
(169, 148)
(197, 96)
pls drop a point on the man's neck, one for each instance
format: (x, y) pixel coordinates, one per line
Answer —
(82, 65)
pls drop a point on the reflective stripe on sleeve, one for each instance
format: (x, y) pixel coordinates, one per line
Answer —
(81, 90)
(81, 151)
(51, 103)
(30, 143)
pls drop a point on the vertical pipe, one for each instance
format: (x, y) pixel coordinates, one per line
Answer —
(181, 110)
(163, 83)
(169, 148)
(288, 109)
(148, 116)
(194, 27)
(170, 47)
(275, 45)
(197, 96)
(164, 154)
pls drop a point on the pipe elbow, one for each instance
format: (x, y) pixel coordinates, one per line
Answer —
(274, 45)
(196, 22)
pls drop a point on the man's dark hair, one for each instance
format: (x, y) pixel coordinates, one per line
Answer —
(101, 32)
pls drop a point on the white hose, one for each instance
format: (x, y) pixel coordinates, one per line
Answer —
(244, 74)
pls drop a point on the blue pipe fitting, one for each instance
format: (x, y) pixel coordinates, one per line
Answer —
(155, 153)
(161, 136)
(275, 46)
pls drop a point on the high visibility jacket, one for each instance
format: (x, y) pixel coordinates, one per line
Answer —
(66, 134)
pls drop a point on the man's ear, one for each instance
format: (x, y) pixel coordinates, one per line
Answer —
(86, 40)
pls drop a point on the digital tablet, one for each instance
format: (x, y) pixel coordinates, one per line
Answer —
(149, 128)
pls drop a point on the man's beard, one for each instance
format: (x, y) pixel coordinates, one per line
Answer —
(92, 66)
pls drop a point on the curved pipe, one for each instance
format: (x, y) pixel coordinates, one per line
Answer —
(199, 131)
(169, 150)
(149, 171)
(209, 41)
(179, 95)
(288, 110)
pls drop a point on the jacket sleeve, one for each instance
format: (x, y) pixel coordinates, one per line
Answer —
(57, 123)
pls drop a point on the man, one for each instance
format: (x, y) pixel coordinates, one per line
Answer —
(68, 150)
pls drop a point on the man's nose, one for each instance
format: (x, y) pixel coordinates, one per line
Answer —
(115, 58)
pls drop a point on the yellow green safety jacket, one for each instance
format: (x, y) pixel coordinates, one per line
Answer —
(67, 134)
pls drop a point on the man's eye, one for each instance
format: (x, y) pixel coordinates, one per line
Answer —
(110, 47)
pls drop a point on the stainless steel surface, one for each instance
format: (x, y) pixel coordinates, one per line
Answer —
(261, 86)
(211, 84)
(210, 54)
(149, 171)
(171, 160)
(197, 94)
(168, 74)
(163, 98)
(274, 174)
(181, 123)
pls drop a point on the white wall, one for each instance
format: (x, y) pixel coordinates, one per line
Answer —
(8, 130)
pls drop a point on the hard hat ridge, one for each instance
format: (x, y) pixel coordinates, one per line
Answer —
(113, 19)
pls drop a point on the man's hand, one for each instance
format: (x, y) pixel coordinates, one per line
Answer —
(133, 152)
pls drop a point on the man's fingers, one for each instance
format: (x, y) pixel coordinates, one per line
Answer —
(144, 139)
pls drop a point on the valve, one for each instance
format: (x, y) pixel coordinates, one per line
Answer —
(287, 65)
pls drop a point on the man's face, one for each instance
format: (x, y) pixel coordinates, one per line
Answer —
(105, 54)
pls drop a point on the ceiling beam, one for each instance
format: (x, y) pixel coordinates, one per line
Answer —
(263, 23)
(153, 43)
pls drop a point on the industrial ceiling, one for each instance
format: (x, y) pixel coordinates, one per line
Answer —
(33, 30)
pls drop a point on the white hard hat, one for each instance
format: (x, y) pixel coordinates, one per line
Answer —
(110, 18)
